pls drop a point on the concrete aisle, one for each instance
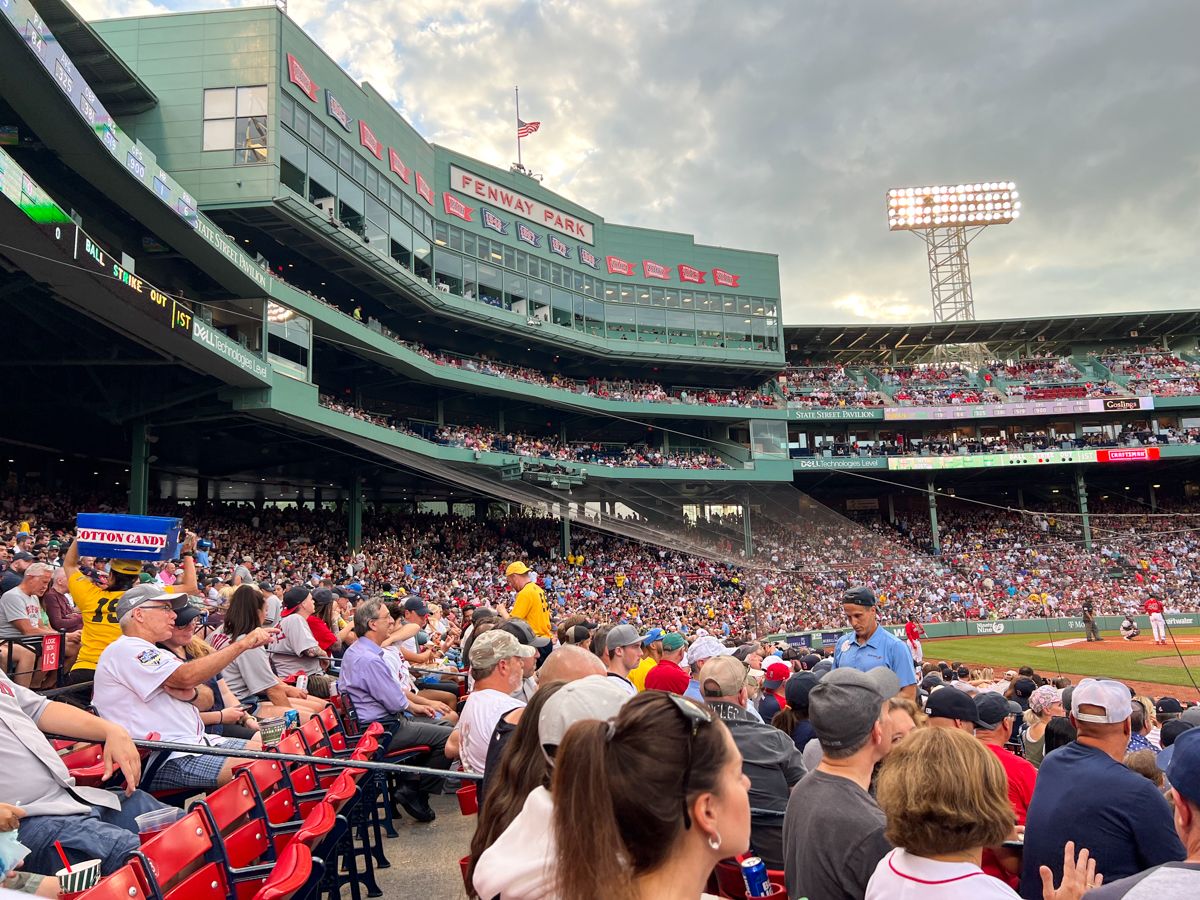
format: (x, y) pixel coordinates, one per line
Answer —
(425, 857)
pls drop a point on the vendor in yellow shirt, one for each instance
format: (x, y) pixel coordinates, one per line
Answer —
(99, 605)
(530, 604)
(651, 654)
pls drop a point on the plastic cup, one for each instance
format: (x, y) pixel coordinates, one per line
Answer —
(271, 730)
(151, 823)
(81, 877)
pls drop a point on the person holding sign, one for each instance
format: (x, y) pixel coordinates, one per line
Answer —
(99, 605)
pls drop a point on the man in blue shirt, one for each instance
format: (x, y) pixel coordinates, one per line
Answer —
(1085, 794)
(872, 646)
(377, 695)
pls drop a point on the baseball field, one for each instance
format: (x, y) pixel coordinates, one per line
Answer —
(1154, 670)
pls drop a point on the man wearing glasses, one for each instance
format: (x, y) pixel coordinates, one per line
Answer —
(147, 689)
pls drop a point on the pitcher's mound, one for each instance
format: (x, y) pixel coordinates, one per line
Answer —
(1172, 662)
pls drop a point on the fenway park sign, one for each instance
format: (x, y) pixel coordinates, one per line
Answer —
(472, 185)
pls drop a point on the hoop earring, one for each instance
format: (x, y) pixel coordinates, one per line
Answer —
(714, 840)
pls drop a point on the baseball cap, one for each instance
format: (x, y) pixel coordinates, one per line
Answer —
(482, 614)
(776, 674)
(823, 667)
(991, 710)
(947, 703)
(293, 597)
(1024, 687)
(1111, 696)
(722, 676)
(121, 566)
(860, 596)
(797, 689)
(706, 648)
(1168, 737)
(322, 596)
(1168, 705)
(622, 636)
(523, 632)
(186, 615)
(145, 593)
(516, 568)
(809, 660)
(1184, 768)
(493, 646)
(1044, 697)
(654, 634)
(416, 605)
(846, 704)
(1191, 715)
(674, 641)
(593, 697)
(577, 634)
(24, 556)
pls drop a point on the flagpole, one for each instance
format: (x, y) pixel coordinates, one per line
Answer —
(517, 98)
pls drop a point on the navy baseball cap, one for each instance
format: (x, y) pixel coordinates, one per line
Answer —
(860, 596)
(950, 703)
(1184, 767)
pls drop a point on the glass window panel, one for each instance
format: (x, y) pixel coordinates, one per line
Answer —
(377, 212)
(406, 207)
(219, 103)
(441, 234)
(219, 134)
(743, 305)
(372, 180)
(489, 276)
(345, 158)
(577, 280)
(643, 295)
(287, 109)
(350, 193)
(456, 238)
(556, 274)
(543, 270)
(709, 329)
(293, 149)
(657, 297)
(301, 122)
(330, 143)
(359, 168)
(562, 299)
(468, 243)
(322, 173)
(515, 287)
(449, 270)
(672, 298)
(252, 101)
(539, 293)
(619, 324)
(422, 262)
(316, 135)
(578, 307)
(510, 257)
(625, 293)
(610, 293)
(251, 134)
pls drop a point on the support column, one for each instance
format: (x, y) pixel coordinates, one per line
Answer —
(354, 511)
(565, 519)
(202, 492)
(666, 443)
(318, 497)
(500, 419)
(747, 528)
(139, 471)
(891, 498)
(1153, 499)
(1020, 498)
(933, 523)
(481, 510)
(441, 411)
(1081, 491)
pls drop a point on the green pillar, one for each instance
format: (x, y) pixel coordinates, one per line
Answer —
(1081, 491)
(1153, 499)
(747, 529)
(933, 525)
(566, 531)
(139, 471)
(354, 510)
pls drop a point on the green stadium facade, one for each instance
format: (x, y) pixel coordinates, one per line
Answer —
(220, 250)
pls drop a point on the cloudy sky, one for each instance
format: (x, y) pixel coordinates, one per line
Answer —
(779, 126)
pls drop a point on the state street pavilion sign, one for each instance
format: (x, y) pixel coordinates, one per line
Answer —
(472, 185)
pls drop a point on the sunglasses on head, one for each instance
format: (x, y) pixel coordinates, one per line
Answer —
(694, 716)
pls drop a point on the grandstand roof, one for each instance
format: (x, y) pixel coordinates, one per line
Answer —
(1004, 337)
(120, 90)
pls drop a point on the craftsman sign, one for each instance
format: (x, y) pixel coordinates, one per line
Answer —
(1127, 454)
(472, 185)
(299, 77)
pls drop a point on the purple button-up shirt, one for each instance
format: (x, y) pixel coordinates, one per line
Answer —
(369, 683)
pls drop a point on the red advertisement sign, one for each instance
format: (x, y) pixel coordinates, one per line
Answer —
(691, 274)
(655, 270)
(455, 207)
(51, 651)
(299, 77)
(367, 138)
(721, 278)
(618, 266)
(424, 189)
(398, 166)
(1128, 454)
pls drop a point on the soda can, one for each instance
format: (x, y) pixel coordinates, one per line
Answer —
(302, 682)
(754, 871)
(291, 719)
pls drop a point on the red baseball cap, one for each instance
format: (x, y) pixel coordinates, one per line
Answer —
(776, 674)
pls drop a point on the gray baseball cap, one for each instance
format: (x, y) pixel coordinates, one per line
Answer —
(622, 636)
(845, 705)
(593, 697)
(146, 593)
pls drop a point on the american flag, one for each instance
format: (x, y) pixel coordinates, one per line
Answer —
(525, 129)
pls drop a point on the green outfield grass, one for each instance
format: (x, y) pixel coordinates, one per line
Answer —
(1009, 651)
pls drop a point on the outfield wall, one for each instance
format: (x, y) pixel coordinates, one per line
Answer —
(978, 628)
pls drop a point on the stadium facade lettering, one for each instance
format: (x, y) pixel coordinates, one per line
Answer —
(828, 415)
(230, 350)
(840, 462)
(472, 185)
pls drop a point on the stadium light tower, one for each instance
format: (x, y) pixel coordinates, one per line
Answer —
(947, 217)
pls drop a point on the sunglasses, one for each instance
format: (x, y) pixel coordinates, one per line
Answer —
(695, 716)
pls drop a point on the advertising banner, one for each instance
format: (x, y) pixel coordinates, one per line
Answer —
(114, 536)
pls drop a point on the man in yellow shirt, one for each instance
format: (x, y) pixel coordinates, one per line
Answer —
(99, 605)
(530, 604)
(651, 654)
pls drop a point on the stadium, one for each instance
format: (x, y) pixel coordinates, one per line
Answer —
(248, 294)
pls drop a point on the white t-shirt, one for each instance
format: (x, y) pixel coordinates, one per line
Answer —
(128, 690)
(520, 864)
(902, 876)
(483, 709)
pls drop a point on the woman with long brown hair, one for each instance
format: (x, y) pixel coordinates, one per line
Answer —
(647, 804)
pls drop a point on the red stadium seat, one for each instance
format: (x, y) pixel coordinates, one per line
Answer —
(127, 883)
(293, 872)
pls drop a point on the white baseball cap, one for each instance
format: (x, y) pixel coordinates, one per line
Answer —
(1111, 696)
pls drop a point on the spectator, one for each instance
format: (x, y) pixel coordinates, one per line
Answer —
(89, 823)
(611, 842)
(995, 719)
(378, 697)
(298, 652)
(530, 603)
(944, 797)
(873, 647)
(703, 648)
(1145, 763)
(497, 664)
(624, 654)
(668, 675)
(1172, 879)
(1044, 704)
(521, 630)
(63, 614)
(21, 617)
(773, 699)
(948, 707)
(793, 720)
(769, 758)
(17, 564)
(147, 689)
(513, 850)
(833, 829)
(651, 654)
(1059, 733)
(1084, 794)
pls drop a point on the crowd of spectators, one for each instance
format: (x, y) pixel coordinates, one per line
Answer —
(1033, 370)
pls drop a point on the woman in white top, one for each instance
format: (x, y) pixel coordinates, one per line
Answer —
(946, 798)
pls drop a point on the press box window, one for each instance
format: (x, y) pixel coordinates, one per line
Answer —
(236, 119)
